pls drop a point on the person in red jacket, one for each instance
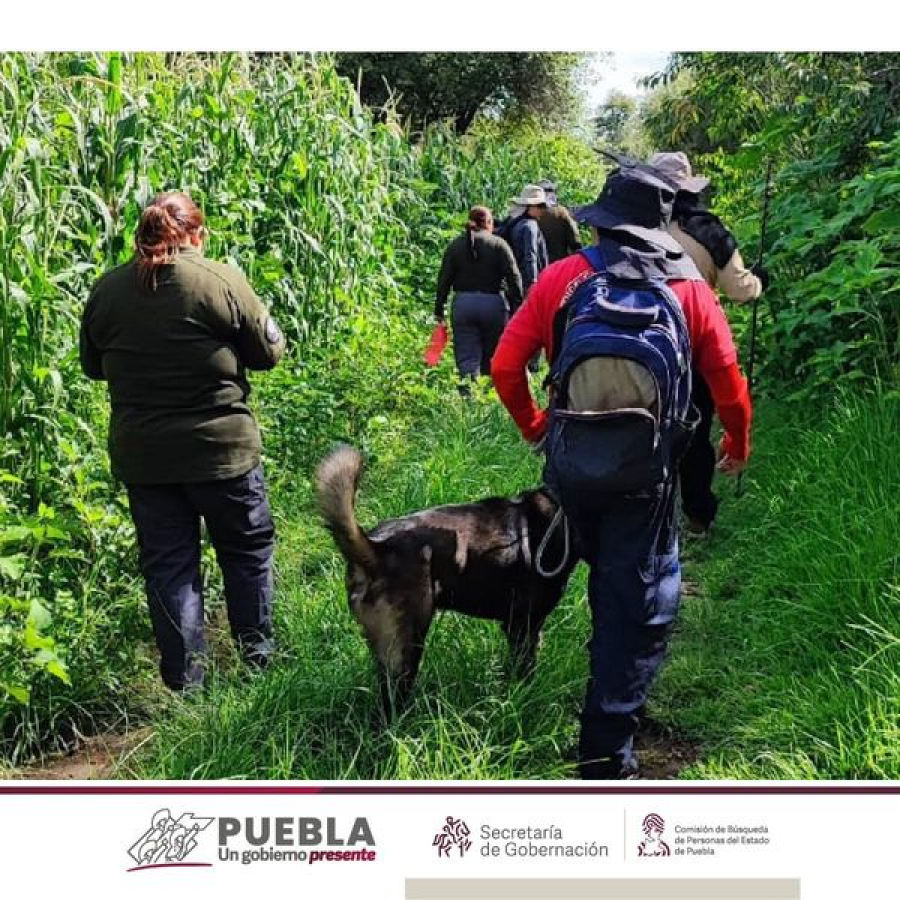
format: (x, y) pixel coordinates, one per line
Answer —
(630, 542)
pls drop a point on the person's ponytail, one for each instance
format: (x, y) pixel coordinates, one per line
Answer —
(479, 220)
(166, 224)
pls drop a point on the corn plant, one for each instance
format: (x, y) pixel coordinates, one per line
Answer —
(338, 221)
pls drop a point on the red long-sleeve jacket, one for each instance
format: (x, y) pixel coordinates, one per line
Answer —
(713, 352)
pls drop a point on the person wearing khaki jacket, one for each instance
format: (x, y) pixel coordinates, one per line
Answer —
(558, 227)
(715, 252)
(172, 334)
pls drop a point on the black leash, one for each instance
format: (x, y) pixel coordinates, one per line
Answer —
(751, 360)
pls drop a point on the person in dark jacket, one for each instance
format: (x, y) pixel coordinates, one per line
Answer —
(714, 250)
(527, 241)
(560, 230)
(525, 236)
(480, 268)
(172, 334)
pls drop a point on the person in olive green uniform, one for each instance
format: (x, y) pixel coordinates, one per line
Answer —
(478, 265)
(172, 334)
(558, 227)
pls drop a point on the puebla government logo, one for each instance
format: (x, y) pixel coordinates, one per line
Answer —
(171, 841)
(454, 836)
(168, 841)
(653, 827)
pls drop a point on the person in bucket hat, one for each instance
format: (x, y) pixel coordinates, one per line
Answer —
(677, 167)
(635, 201)
(532, 195)
(557, 225)
(713, 248)
(629, 541)
(703, 235)
(524, 234)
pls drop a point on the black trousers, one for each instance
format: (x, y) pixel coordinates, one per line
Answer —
(698, 465)
(239, 522)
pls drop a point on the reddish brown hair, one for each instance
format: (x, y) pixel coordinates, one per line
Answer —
(479, 216)
(166, 223)
(480, 219)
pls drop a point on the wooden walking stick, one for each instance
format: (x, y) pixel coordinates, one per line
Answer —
(751, 359)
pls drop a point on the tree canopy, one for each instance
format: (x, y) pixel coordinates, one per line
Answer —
(805, 103)
(612, 118)
(429, 87)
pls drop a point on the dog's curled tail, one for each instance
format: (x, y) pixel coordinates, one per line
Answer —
(337, 479)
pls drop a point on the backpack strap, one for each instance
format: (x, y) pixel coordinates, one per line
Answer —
(594, 255)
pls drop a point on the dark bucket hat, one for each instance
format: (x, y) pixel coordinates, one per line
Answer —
(636, 200)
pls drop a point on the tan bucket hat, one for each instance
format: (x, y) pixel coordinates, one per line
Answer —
(677, 168)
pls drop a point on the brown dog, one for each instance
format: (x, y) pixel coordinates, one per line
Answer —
(475, 558)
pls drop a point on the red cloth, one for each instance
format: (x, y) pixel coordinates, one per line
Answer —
(531, 329)
(436, 345)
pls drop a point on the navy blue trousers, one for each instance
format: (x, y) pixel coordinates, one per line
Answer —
(478, 322)
(239, 523)
(634, 586)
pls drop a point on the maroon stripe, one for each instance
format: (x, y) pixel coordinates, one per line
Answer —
(171, 866)
(562, 790)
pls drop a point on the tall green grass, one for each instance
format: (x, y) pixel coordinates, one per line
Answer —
(784, 663)
(788, 663)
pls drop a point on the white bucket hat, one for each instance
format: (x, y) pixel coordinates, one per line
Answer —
(532, 195)
(677, 168)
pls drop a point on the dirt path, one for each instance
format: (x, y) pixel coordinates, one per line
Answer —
(98, 757)
(662, 754)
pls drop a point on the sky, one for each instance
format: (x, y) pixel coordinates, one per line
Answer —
(621, 72)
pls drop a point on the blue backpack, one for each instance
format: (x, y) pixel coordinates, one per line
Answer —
(620, 379)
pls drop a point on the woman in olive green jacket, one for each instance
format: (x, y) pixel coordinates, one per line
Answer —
(173, 333)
